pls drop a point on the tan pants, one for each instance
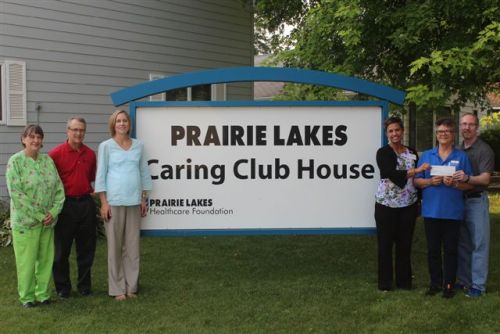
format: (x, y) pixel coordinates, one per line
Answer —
(123, 234)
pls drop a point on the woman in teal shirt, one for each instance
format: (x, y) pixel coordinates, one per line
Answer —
(36, 199)
(122, 181)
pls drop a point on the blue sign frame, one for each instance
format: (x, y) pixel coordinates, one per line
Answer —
(241, 74)
(246, 74)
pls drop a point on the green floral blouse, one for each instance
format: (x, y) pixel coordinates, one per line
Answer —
(35, 189)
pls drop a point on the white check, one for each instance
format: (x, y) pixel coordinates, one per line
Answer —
(442, 170)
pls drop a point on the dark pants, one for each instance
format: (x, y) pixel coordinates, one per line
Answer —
(442, 234)
(77, 221)
(395, 227)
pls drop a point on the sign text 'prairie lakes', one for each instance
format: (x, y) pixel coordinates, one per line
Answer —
(249, 168)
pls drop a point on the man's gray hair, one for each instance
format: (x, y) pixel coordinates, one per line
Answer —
(78, 119)
(471, 114)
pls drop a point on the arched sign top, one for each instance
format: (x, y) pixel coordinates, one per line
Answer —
(244, 74)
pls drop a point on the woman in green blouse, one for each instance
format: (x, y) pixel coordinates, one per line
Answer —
(36, 198)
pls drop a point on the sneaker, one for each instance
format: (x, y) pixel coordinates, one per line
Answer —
(29, 305)
(473, 293)
(433, 290)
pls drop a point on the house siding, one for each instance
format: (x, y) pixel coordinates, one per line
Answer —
(78, 52)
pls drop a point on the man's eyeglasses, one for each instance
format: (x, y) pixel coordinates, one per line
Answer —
(468, 125)
(76, 130)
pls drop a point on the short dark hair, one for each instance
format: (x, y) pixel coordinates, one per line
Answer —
(471, 114)
(393, 120)
(31, 129)
(446, 122)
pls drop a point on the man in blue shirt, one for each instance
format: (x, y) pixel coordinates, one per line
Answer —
(442, 207)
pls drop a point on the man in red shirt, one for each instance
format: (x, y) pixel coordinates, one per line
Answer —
(76, 164)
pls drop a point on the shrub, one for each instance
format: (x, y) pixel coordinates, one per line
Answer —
(101, 232)
(5, 230)
(491, 135)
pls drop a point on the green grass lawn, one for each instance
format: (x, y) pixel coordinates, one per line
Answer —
(259, 284)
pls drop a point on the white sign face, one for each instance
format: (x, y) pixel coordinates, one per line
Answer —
(255, 167)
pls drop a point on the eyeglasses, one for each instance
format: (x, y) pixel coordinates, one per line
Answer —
(444, 132)
(76, 130)
(468, 125)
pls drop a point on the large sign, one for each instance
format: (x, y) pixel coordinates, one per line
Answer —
(262, 167)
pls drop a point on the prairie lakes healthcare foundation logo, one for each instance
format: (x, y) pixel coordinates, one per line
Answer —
(185, 207)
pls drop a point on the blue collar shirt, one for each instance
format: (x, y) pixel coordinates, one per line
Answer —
(443, 202)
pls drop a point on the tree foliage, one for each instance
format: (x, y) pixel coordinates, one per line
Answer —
(491, 134)
(271, 17)
(436, 50)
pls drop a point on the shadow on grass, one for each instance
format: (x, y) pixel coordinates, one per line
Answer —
(235, 260)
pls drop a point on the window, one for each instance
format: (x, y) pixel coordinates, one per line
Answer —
(13, 93)
(180, 94)
(425, 129)
(201, 93)
(215, 92)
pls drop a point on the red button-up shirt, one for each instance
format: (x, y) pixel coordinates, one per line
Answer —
(76, 168)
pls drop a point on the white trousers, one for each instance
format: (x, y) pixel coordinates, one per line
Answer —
(123, 234)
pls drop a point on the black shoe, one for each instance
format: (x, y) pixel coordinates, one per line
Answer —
(433, 290)
(29, 305)
(448, 293)
(385, 286)
(460, 287)
(406, 286)
(63, 294)
(85, 292)
(46, 302)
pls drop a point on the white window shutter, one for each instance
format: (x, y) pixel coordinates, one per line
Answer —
(15, 75)
(219, 92)
(157, 97)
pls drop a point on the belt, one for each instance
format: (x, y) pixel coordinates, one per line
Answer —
(476, 194)
(78, 198)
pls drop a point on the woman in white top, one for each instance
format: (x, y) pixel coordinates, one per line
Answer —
(122, 181)
(396, 207)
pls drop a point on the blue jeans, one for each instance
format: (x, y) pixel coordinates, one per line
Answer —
(474, 243)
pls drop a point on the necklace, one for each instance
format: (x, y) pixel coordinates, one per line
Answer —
(399, 149)
(124, 143)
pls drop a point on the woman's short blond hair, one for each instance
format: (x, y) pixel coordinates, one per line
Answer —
(112, 121)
